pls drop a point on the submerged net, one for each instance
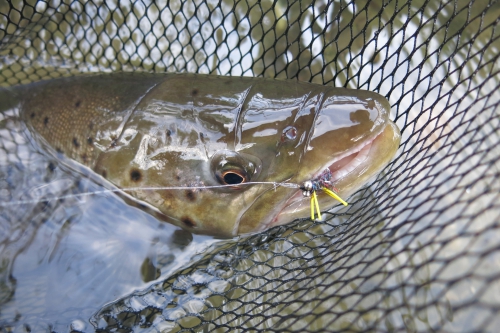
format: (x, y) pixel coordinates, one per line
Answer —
(416, 251)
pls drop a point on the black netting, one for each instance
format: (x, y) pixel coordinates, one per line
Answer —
(416, 251)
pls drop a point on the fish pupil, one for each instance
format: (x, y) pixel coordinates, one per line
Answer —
(232, 178)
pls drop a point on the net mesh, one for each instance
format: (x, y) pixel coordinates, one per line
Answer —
(416, 251)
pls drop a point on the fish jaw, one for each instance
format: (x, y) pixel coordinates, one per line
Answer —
(349, 173)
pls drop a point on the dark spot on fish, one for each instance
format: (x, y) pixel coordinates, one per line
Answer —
(84, 157)
(190, 195)
(90, 141)
(371, 104)
(113, 140)
(194, 92)
(59, 151)
(141, 206)
(27, 328)
(77, 104)
(169, 132)
(188, 222)
(178, 177)
(135, 175)
(104, 174)
(91, 125)
(32, 115)
(51, 166)
(360, 117)
(76, 143)
(46, 121)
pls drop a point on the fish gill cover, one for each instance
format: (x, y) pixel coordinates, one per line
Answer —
(416, 251)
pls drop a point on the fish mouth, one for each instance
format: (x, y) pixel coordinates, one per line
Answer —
(340, 167)
(344, 164)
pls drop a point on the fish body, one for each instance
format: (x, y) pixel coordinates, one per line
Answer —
(145, 131)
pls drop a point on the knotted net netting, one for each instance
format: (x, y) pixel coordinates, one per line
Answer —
(418, 250)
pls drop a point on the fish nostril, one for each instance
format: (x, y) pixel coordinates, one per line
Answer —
(289, 133)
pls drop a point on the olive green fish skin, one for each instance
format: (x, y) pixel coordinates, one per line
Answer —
(164, 130)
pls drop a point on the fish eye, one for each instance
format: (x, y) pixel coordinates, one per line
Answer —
(289, 133)
(231, 168)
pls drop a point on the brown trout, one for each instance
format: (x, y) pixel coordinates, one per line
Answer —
(139, 131)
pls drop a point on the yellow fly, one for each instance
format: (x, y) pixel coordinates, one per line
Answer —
(309, 189)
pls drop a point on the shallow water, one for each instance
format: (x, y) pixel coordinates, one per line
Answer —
(62, 260)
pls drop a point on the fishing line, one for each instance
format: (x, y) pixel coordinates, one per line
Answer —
(198, 187)
(309, 189)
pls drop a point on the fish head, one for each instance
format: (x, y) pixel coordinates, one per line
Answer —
(210, 160)
(347, 132)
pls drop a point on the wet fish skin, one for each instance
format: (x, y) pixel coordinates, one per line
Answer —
(152, 130)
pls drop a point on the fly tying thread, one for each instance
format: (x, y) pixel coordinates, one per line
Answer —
(322, 182)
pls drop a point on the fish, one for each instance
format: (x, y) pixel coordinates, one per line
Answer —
(170, 141)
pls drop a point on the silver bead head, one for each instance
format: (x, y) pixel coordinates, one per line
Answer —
(308, 186)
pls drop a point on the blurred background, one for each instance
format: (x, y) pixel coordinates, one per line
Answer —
(416, 251)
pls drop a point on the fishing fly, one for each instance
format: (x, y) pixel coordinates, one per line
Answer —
(322, 182)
